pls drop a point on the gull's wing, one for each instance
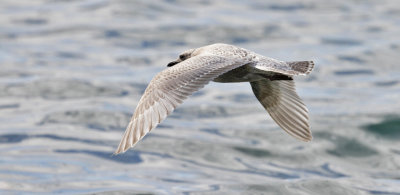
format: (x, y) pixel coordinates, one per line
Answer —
(168, 89)
(281, 101)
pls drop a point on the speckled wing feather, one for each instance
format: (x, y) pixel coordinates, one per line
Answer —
(168, 89)
(281, 101)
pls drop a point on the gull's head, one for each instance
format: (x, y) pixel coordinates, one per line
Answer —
(182, 57)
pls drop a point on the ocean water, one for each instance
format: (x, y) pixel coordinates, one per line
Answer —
(72, 72)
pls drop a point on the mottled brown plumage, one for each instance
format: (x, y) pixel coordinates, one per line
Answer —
(270, 79)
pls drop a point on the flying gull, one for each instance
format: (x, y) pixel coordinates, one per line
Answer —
(271, 81)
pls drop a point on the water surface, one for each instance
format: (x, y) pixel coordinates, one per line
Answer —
(73, 71)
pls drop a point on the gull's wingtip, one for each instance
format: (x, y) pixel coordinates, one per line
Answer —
(120, 151)
(117, 152)
(122, 148)
(307, 138)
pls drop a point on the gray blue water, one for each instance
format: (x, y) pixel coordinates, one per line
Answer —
(72, 72)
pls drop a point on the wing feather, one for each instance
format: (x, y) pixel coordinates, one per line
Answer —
(168, 89)
(285, 107)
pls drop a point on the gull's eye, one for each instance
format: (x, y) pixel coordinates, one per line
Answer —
(182, 57)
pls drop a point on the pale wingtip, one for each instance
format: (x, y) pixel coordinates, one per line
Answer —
(309, 138)
(118, 151)
(121, 149)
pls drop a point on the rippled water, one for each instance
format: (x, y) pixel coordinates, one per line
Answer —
(73, 71)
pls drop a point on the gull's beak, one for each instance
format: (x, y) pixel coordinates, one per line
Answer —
(174, 62)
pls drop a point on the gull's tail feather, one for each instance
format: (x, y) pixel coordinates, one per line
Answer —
(303, 67)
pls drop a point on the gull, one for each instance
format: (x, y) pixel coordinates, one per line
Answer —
(271, 81)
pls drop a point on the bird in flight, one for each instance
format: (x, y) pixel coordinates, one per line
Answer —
(271, 81)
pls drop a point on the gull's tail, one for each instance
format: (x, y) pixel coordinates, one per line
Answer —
(302, 67)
